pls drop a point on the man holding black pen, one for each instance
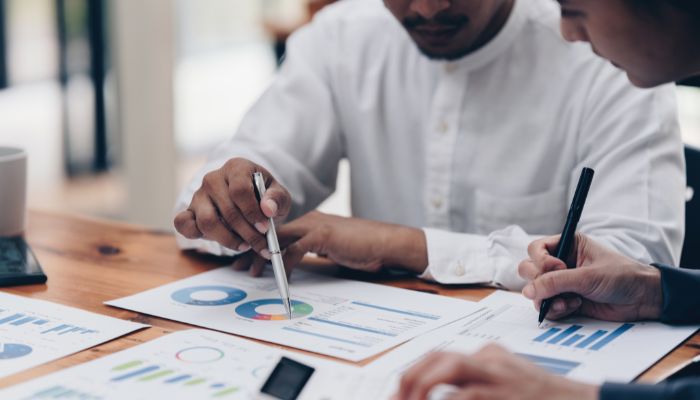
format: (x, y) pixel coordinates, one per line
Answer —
(654, 41)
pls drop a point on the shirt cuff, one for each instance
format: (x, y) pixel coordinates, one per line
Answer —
(204, 246)
(462, 258)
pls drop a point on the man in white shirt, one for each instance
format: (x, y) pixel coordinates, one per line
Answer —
(466, 124)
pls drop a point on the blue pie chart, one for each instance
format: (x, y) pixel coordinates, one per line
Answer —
(13, 350)
(224, 295)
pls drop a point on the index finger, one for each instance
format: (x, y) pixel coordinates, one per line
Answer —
(575, 281)
(541, 248)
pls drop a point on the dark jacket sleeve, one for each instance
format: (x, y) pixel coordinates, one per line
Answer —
(682, 389)
(681, 294)
(681, 297)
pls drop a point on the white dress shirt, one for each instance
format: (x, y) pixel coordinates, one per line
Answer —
(483, 153)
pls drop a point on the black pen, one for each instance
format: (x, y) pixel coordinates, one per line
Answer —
(568, 235)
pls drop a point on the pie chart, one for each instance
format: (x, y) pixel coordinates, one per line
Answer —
(208, 295)
(13, 350)
(272, 310)
(200, 354)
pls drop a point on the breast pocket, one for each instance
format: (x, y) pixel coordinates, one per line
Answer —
(540, 213)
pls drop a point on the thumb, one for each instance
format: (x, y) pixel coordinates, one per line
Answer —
(295, 253)
(558, 282)
(276, 202)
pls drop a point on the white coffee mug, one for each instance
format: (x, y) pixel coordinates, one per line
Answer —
(13, 191)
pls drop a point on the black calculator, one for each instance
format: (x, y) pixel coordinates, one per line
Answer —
(18, 265)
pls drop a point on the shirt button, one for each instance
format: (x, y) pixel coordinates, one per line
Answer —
(437, 202)
(443, 127)
(459, 269)
(450, 67)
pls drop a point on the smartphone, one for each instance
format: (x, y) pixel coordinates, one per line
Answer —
(286, 381)
(18, 265)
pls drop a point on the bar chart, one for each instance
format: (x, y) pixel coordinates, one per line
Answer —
(144, 371)
(569, 337)
(44, 325)
(33, 332)
(62, 392)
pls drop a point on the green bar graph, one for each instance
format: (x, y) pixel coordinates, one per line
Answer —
(225, 392)
(156, 375)
(128, 365)
(194, 382)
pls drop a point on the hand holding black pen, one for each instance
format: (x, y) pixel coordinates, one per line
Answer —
(568, 235)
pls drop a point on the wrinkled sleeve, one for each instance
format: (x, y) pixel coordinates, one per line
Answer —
(636, 204)
(291, 130)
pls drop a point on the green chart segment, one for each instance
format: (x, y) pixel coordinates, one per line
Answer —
(141, 371)
(63, 393)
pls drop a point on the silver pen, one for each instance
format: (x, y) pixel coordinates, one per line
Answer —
(274, 246)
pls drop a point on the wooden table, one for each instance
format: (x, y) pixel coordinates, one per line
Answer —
(89, 261)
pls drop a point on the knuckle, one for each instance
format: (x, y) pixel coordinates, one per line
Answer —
(235, 163)
(208, 181)
(239, 191)
(523, 268)
(207, 222)
(531, 247)
(232, 217)
(325, 231)
(546, 283)
(257, 242)
(252, 215)
(180, 221)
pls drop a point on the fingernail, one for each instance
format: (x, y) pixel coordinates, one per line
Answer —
(529, 291)
(244, 247)
(272, 205)
(266, 254)
(558, 305)
(262, 227)
(575, 302)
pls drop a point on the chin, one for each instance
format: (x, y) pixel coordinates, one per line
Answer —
(646, 82)
(443, 54)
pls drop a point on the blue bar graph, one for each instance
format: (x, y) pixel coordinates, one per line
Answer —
(56, 329)
(22, 321)
(565, 334)
(11, 318)
(178, 378)
(74, 329)
(612, 336)
(572, 340)
(40, 322)
(553, 365)
(597, 335)
(135, 373)
(547, 334)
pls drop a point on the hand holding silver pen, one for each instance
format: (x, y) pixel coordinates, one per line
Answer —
(274, 248)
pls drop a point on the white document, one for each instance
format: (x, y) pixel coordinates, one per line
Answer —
(579, 348)
(340, 318)
(192, 364)
(33, 332)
